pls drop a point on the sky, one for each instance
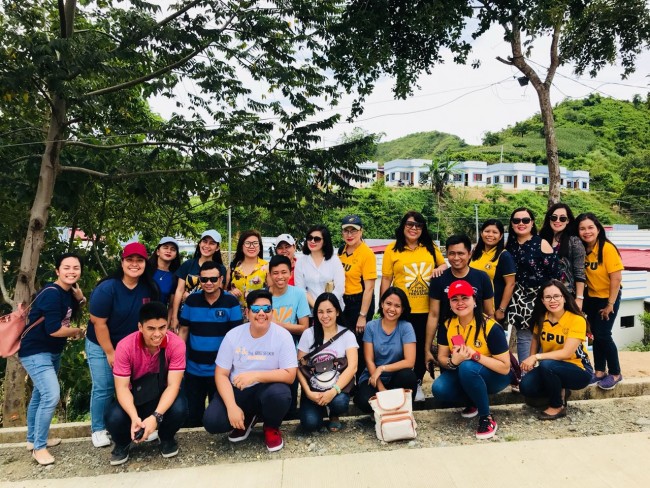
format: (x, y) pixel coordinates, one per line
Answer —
(467, 102)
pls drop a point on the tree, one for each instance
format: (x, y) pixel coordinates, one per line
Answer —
(405, 39)
(74, 80)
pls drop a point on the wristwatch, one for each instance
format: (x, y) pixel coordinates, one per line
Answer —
(158, 417)
(476, 356)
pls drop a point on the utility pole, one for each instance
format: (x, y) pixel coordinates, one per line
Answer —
(476, 218)
(229, 235)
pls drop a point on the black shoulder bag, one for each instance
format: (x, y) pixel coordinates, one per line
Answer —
(322, 375)
(150, 386)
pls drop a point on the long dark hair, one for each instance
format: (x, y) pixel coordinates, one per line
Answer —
(145, 279)
(239, 252)
(57, 264)
(216, 257)
(480, 245)
(547, 233)
(539, 309)
(328, 248)
(602, 236)
(424, 239)
(173, 266)
(319, 334)
(479, 317)
(406, 306)
(512, 237)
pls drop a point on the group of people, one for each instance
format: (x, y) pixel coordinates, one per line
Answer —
(201, 344)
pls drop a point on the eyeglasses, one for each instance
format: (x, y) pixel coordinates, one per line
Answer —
(561, 218)
(552, 298)
(251, 244)
(316, 239)
(413, 225)
(261, 308)
(211, 279)
(350, 232)
(525, 220)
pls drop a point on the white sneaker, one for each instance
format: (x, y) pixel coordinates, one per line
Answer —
(101, 439)
(152, 437)
(419, 394)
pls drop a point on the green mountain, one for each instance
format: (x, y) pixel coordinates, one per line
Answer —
(421, 145)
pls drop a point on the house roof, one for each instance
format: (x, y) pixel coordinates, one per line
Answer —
(636, 259)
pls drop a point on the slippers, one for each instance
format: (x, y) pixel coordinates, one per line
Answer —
(44, 459)
(51, 442)
(547, 416)
(334, 426)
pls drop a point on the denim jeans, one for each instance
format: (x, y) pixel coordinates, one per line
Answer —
(103, 387)
(269, 401)
(311, 414)
(550, 377)
(404, 378)
(469, 385)
(605, 351)
(42, 368)
(524, 339)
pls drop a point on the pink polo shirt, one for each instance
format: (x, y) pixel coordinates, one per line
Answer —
(133, 360)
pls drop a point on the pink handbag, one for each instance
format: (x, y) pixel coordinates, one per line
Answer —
(12, 329)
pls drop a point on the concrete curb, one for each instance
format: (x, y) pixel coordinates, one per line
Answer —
(627, 388)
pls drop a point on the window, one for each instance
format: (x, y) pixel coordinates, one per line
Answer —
(458, 177)
(569, 184)
(507, 179)
(478, 177)
(584, 185)
(496, 180)
(627, 321)
(489, 180)
(544, 181)
(526, 179)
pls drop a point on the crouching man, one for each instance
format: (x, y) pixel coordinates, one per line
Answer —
(148, 369)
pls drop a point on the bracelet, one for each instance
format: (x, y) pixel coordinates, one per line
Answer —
(337, 389)
(450, 364)
(364, 315)
(501, 309)
(610, 303)
(580, 297)
(82, 301)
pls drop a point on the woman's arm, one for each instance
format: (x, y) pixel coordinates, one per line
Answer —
(386, 281)
(508, 290)
(366, 300)
(615, 279)
(176, 304)
(104, 337)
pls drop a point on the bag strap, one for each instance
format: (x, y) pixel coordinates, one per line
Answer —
(162, 370)
(308, 356)
(27, 310)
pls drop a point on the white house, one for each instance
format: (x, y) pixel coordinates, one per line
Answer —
(372, 167)
(406, 172)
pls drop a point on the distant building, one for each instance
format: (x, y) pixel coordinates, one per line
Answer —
(372, 168)
(406, 172)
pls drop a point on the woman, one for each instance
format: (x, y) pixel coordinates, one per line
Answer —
(604, 275)
(208, 249)
(389, 347)
(558, 230)
(490, 256)
(557, 349)
(536, 264)
(165, 260)
(247, 270)
(256, 364)
(41, 348)
(409, 264)
(315, 402)
(360, 268)
(114, 307)
(319, 270)
(474, 356)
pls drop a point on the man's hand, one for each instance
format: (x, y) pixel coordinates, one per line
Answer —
(242, 380)
(236, 417)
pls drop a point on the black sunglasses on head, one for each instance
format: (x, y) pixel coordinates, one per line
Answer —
(561, 218)
(211, 279)
(525, 220)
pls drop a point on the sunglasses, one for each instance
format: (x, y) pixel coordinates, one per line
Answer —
(413, 225)
(525, 220)
(316, 239)
(561, 218)
(261, 308)
(211, 279)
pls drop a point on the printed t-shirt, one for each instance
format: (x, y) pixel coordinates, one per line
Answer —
(133, 359)
(496, 270)
(411, 271)
(335, 350)
(241, 352)
(165, 281)
(55, 304)
(387, 348)
(554, 336)
(598, 274)
(479, 280)
(358, 266)
(290, 306)
(256, 280)
(491, 342)
(119, 305)
(208, 324)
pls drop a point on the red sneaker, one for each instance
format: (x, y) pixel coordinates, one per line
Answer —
(273, 439)
(238, 435)
(469, 412)
(487, 427)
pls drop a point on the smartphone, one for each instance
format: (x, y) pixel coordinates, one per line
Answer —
(458, 340)
(138, 435)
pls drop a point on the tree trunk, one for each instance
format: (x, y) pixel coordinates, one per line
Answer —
(552, 159)
(13, 411)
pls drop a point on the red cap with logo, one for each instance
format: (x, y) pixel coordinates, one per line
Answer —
(460, 287)
(134, 248)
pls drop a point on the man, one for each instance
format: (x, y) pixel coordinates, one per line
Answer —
(285, 245)
(205, 319)
(143, 406)
(458, 254)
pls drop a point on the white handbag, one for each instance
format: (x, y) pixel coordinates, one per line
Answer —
(394, 419)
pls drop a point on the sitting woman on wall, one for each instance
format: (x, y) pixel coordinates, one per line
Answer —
(474, 358)
(389, 348)
(557, 350)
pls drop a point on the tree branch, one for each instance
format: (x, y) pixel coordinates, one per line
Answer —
(505, 61)
(24, 158)
(555, 59)
(92, 172)
(127, 144)
(99, 31)
(3, 287)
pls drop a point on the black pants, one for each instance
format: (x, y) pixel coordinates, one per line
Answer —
(404, 378)
(269, 400)
(351, 315)
(118, 422)
(419, 323)
(197, 389)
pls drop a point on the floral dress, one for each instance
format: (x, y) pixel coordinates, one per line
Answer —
(255, 280)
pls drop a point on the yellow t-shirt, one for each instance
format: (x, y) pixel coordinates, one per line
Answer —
(247, 283)
(358, 266)
(485, 263)
(598, 274)
(411, 271)
(554, 336)
(489, 342)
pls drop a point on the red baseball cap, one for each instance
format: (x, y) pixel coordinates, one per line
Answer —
(460, 287)
(134, 248)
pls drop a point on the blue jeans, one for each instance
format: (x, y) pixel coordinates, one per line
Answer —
(524, 339)
(311, 414)
(550, 377)
(605, 351)
(103, 387)
(469, 385)
(42, 368)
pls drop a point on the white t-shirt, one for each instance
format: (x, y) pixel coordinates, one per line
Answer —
(313, 279)
(241, 352)
(335, 350)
